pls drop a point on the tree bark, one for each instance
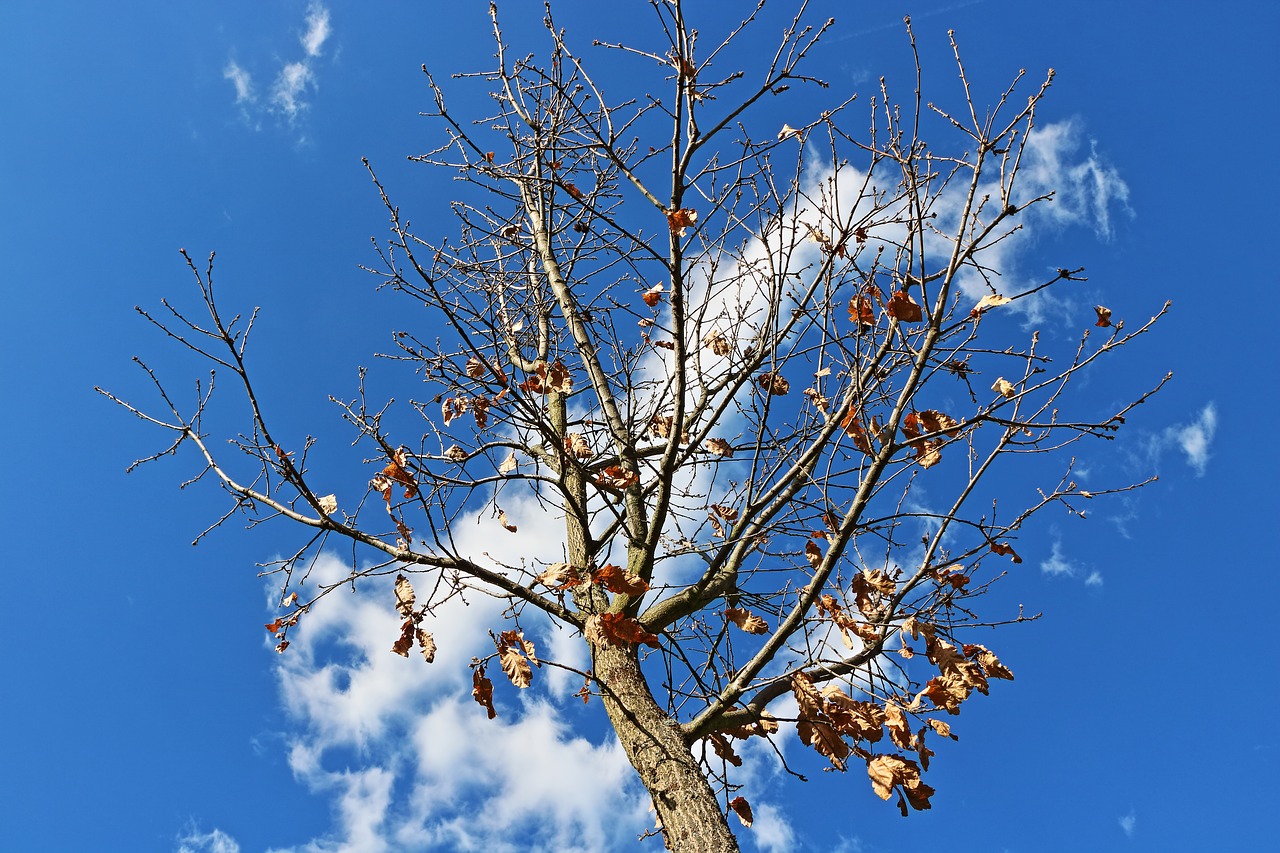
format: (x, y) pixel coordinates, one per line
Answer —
(692, 818)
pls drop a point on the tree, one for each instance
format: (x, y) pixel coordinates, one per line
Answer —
(722, 357)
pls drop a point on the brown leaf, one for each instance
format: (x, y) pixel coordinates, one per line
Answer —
(427, 644)
(572, 190)
(615, 629)
(988, 661)
(453, 408)
(502, 519)
(852, 426)
(774, 384)
(1004, 548)
(719, 447)
(935, 421)
(576, 445)
(559, 576)
(396, 472)
(1104, 316)
(904, 309)
(509, 464)
(405, 641)
(511, 654)
(742, 809)
(746, 620)
(890, 771)
(812, 553)
(482, 691)
(681, 219)
(728, 513)
(763, 727)
(942, 728)
(724, 749)
(788, 132)
(618, 580)
(455, 454)
(617, 477)
(862, 312)
(653, 295)
(1004, 388)
(814, 726)
(858, 720)
(717, 343)
(898, 726)
(475, 367)
(547, 378)
(404, 596)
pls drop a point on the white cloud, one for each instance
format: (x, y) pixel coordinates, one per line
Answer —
(295, 79)
(1059, 566)
(1129, 823)
(317, 29)
(409, 762)
(214, 841)
(1086, 190)
(773, 834)
(1194, 439)
(241, 79)
(290, 86)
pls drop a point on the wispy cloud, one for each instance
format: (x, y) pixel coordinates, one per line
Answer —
(1088, 191)
(295, 80)
(214, 841)
(1059, 566)
(1129, 823)
(1194, 439)
(772, 832)
(242, 80)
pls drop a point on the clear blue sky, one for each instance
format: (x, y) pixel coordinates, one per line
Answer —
(143, 709)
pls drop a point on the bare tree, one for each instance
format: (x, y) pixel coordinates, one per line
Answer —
(721, 358)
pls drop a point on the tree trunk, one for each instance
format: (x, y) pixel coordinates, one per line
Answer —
(693, 821)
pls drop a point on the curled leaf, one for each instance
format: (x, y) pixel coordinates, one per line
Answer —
(1004, 388)
(653, 295)
(618, 580)
(787, 132)
(717, 343)
(774, 384)
(1104, 315)
(991, 300)
(482, 691)
(746, 620)
(719, 447)
(328, 504)
(681, 219)
(742, 809)
(904, 309)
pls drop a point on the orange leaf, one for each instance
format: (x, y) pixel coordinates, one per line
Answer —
(746, 620)
(615, 629)
(572, 190)
(852, 426)
(482, 691)
(905, 309)
(862, 312)
(617, 477)
(1104, 316)
(576, 445)
(679, 220)
(558, 576)
(742, 809)
(812, 553)
(653, 295)
(617, 579)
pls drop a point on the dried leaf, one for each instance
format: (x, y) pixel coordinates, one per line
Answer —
(898, 726)
(681, 219)
(453, 408)
(482, 691)
(559, 576)
(653, 295)
(991, 300)
(509, 464)
(405, 641)
(904, 309)
(576, 445)
(746, 620)
(719, 447)
(890, 771)
(788, 132)
(742, 809)
(942, 728)
(812, 553)
(475, 367)
(988, 661)
(618, 580)
(814, 726)
(502, 519)
(1104, 316)
(404, 596)
(717, 343)
(427, 644)
(935, 421)
(511, 649)
(728, 513)
(1004, 388)
(862, 312)
(617, 477)
(1003, 549)
(723, 749)
(773, 384)
(615, 629)
(572, 190)
(852, 426)
(455, 454)
(546, 378)
(328, 504)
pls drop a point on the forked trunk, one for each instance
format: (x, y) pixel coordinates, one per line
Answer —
(693, 821)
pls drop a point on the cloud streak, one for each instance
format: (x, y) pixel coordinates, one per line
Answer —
(295, 79)
(1194, 439)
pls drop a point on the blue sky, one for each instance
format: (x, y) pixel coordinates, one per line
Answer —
(144, 709)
